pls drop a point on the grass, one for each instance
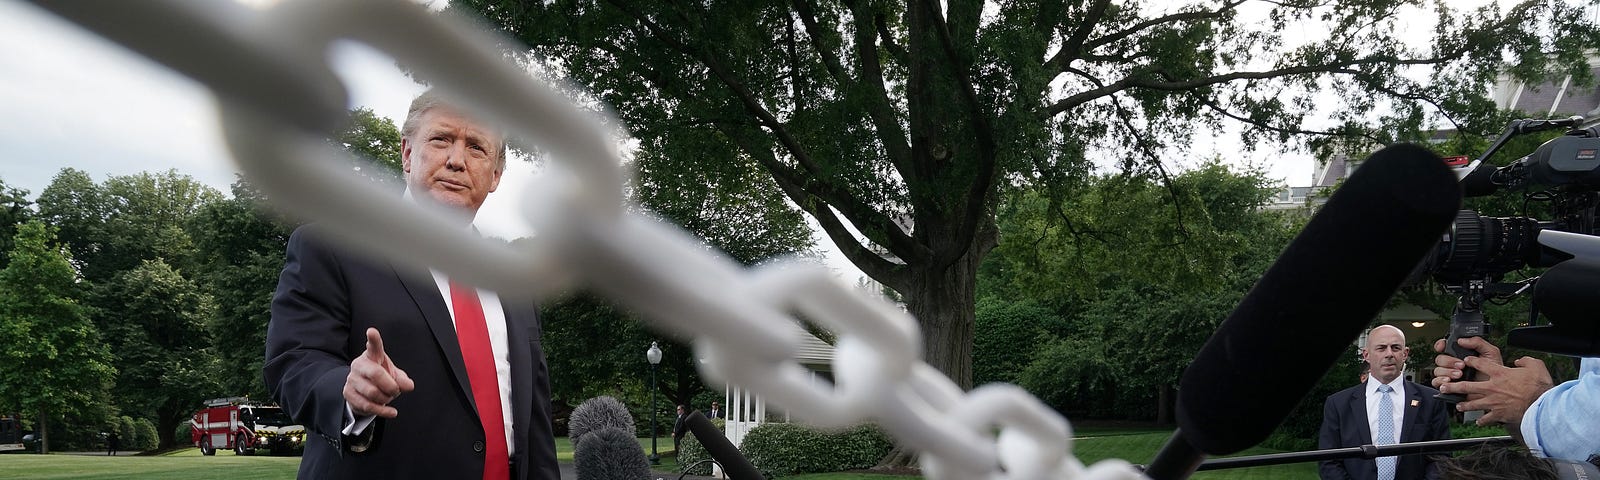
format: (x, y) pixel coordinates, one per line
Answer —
(1136, 445)
(185, 463)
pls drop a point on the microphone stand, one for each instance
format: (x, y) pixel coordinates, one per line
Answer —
(1368, 451)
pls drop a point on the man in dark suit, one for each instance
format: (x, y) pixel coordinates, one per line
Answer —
(406, 373)
(715, 412)
(680, 427)
(1385, 409)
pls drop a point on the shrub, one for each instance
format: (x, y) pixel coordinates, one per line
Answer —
(690, 451)
(782, 449)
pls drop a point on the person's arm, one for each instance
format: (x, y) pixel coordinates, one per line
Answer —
(1328, 438)
(1562, 422)
(307, 369)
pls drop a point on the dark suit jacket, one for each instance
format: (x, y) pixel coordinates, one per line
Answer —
(326, 299)
(1344, 424)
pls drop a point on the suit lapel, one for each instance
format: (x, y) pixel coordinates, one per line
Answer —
(518, 322)
(430, 302)
(1409, 413)
(1358, 404)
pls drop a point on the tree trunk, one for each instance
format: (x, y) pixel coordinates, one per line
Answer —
(44, 431)
(943, 303)
(1164, 405)
(166, 422)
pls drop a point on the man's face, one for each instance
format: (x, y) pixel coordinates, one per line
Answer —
(1386, 353)
(451, 160)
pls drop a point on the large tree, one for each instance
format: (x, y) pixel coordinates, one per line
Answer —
(52, 361)
(909, 120)
(13, 212)
(154, 322)
(240, 245)
(113, 226)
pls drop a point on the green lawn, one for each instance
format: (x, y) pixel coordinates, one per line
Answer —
(1135, 445)
(186, 463)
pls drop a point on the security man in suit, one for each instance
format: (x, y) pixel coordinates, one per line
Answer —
(1385, 409)
(407, 373)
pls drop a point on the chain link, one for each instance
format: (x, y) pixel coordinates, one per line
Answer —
(279, 98)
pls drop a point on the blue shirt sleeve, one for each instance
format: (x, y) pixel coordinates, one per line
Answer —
(1563, 423)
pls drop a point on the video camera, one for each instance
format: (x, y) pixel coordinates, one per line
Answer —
(1478, 251)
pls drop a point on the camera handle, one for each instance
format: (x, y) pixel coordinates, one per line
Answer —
(1466, 322)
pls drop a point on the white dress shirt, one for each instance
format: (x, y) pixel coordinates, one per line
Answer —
(1397, 398)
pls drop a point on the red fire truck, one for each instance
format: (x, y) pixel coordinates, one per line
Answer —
(236, 424)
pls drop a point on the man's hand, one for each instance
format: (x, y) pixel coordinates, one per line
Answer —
(1449, 368)
(1504, 392)
(374, 381)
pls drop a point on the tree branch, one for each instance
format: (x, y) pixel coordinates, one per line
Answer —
(876, 98)
(802, 9)
(1072, 47)
(983, 179)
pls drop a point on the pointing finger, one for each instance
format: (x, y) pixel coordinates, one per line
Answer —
(375, 347)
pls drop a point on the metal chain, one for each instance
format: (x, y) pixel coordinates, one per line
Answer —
(279, 98)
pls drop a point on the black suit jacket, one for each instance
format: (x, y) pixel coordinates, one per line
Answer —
(1344, 424)
(325, 300)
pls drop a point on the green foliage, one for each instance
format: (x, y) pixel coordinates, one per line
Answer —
(1136, 274)
(154, 321)
(114, 226)
(13, 211)
(785, 449)
(53, 362)
(137, 433)
(240, 249)
(691, 452)
(1007, 336)
(376, 142)
(1473, 430)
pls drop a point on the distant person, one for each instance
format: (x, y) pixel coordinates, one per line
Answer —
(1384, 410)
(715, 412)
(1366, 370)
(112, 443)
(680, 426)
(1554, 421)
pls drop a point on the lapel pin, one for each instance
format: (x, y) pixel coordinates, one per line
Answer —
(1416, 403)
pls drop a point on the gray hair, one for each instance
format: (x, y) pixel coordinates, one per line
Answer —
(431, 99)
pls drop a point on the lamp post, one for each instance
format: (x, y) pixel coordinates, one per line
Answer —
(654, 356)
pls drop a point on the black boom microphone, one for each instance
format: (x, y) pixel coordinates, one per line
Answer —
(733, 463)
(1310, 305)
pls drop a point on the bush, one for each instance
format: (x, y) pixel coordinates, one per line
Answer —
(782, 449)
(1472, 430)
(691, 452)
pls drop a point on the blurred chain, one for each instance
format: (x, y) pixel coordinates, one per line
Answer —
(279, 99)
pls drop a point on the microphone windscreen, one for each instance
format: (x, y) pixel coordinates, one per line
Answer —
(595, 414)
(1480, 182)
(610, 454)
(1314, 301)
(733, 463)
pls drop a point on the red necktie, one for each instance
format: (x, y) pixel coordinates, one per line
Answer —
(474, 337)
